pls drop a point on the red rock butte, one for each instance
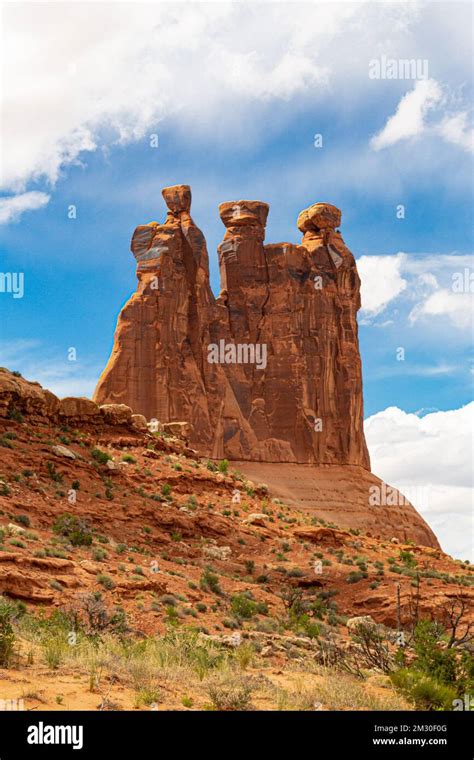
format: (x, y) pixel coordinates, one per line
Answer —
(270, 370)
(268, 374)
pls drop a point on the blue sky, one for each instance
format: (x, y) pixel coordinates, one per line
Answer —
(236, 116)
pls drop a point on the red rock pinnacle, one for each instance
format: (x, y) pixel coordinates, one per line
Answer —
(270, 370)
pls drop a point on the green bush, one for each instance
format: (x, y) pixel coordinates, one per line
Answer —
(425, 692)
(105, 581)
(355, 576)
(431, 658)
(223, 466)
(99, 554)
(23, 520)
(210, 581)
(74, 529)
(100, 456)
(244, 607)
(53, 473)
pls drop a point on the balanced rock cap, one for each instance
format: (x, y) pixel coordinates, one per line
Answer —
(244, 213)
(319, 216)
(177, 198)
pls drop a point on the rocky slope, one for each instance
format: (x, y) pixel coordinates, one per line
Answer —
(340, 493)
(152, 495)
(113, 525)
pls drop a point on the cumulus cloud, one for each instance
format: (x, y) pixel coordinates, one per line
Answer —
(409, 118)
(455, 129)
(439, 287)
(430, 460)
(102, 76)
(12, 207)
(457, 307)
(107, 73)
(381, 281)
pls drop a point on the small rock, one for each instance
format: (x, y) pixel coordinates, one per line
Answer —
(363, 620)
(256, 518)
(15, 529)
(217, 552)
(116, 466)
(139, 422)
(62, 451)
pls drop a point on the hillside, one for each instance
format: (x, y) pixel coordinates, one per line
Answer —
(160, 542)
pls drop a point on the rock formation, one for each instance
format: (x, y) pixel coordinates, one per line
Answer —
(270, 370)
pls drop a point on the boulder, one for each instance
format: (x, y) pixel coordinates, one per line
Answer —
(177, 429)
(139, 422)
(116, 414)
(63, 451)
(364, 621)
(256, 518)
(80, 408)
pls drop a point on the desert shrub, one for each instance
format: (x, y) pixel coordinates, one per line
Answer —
(55, 648)
(223, 466)
(7, 634)
(74, 529)
(105, 581)
(168, 600)
(15, 414)
(249, 566)
(408, 559)
(128, 458)
(53, 473)
(244, 607)
(23, 520)
(432, 658)
(373, 648)
(355, 576)
(100, 456)
(230, 692)
(425, 692)
(210, 581)
(99, 554)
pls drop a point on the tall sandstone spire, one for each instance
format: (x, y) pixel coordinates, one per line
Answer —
(270, 370)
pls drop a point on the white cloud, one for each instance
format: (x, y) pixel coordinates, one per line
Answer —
(430, 460)
(431, 288)
(457, 307)
(409, 118)
(12, 207)
(50, 367)
(111, 72)
(455, 129)
(102, 76)
(381, 281)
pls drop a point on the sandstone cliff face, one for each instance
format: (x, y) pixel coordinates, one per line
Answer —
(270, 370)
